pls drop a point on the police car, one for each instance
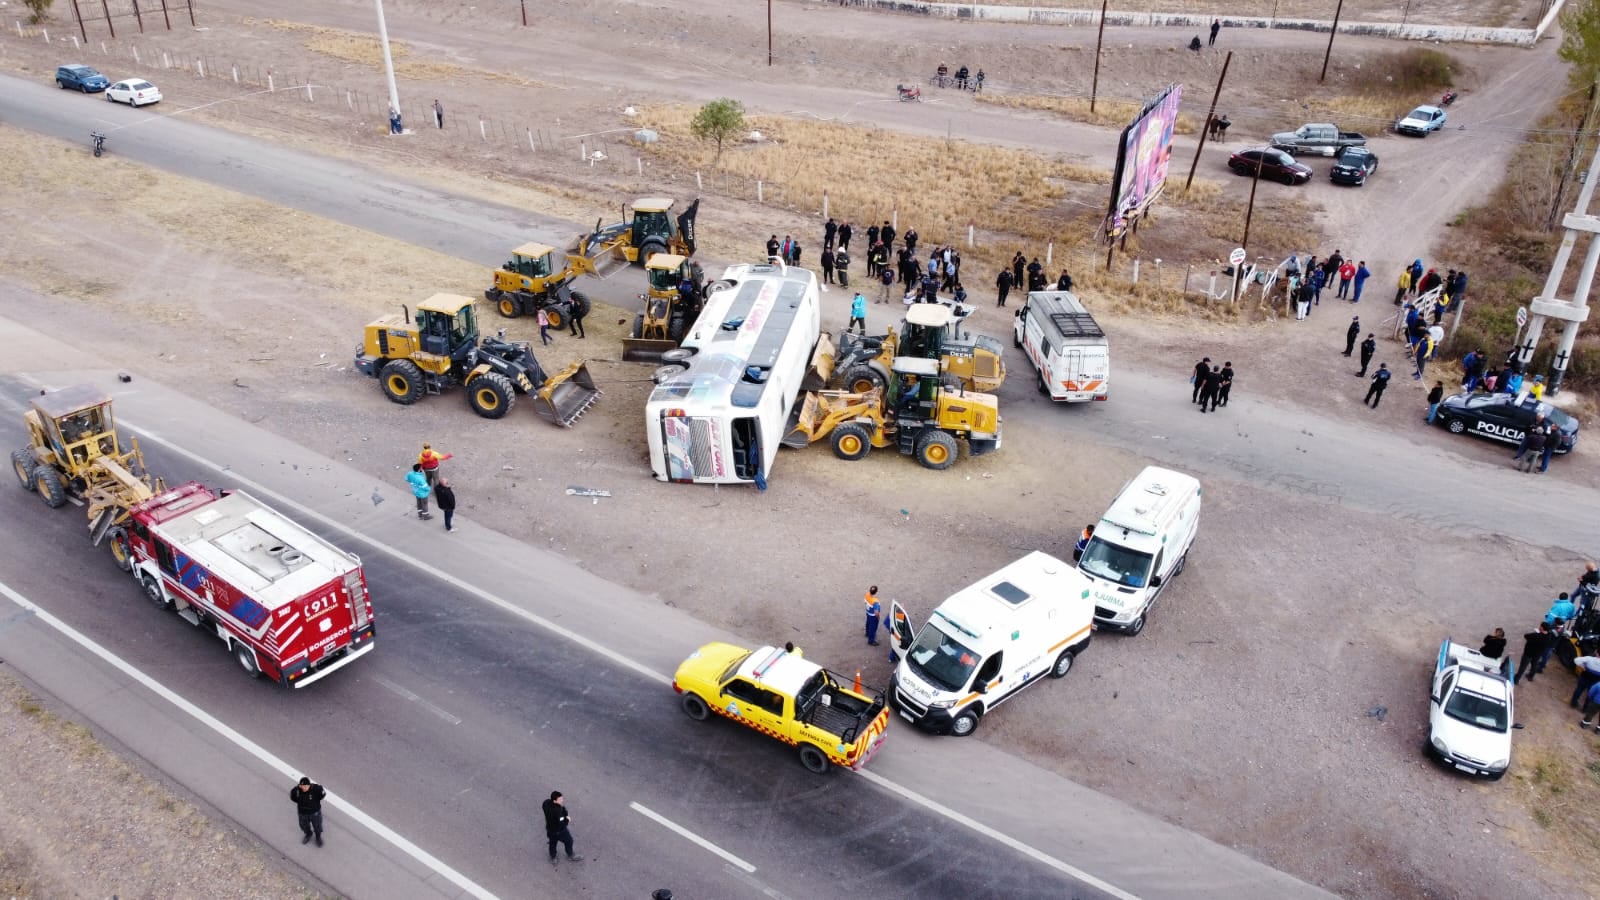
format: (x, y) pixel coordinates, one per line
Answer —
(1501, 417)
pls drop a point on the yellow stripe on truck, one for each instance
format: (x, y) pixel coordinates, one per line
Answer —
(1070, 639)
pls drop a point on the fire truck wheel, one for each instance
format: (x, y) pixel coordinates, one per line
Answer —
(47, 481)
(814, 759)
(120, 551)
(247, 659)
(152, 591)
(695, 708)
(22, 463)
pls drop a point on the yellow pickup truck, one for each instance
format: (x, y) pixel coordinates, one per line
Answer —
(785, 697)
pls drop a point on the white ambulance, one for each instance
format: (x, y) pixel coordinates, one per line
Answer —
(1139, 545)
(989, 641)
(1065, 345)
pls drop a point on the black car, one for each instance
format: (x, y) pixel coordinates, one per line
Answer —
(1353, 166)
(1501, 417)
(1274, 164)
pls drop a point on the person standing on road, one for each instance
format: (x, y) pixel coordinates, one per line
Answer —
(829, 232)
(874, 614)
(438, 115)
(1424, 349)
(1083, 542)
(307, 797)
(1368, 348)
(844, 236)
(1209, 386)
(430, 460)
(1351, 335)
(911, 240)
(1362, 274)
(1319, 280)
(544, 327)
(575, 314)
(1226, 386)
(827, 265)
(858, 314)
(1550, 437)
(1018, 263)
(1380, 383)
(1588, 676)
(772, 247)
(1435, 397)
(1536, 645)
(556, 821)
(1198, 379)
(445, 496)
(1533, 444)
(1404, 285)
(1591, 706)
(1003, 285)
(886, 235)
(420, 489)
(1216, 26)
(1347, 274)
(886, 278)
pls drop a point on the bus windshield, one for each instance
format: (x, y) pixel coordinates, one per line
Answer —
(941, 659)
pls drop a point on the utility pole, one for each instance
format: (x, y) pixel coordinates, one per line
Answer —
(1249, 211)
(78, 17)
(1207, 129)
(388, 62)
(1094, 87)
(769, 33)
(1572, 161)
(1331, 32)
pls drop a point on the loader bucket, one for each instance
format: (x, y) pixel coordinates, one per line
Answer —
(803, 420)
(567, 395)
(645, 349)
(821, 368)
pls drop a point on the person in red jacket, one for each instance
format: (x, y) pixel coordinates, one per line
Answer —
(430, 459)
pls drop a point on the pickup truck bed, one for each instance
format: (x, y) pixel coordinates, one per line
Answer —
(840, 717)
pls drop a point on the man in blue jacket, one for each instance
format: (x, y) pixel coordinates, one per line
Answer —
(858, 314)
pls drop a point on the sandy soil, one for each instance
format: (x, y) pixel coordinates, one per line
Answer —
(1508, 14)
(1241, 712)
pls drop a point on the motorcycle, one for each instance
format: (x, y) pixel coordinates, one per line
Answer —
(1448, 98)
(910, 94)
(99, 142)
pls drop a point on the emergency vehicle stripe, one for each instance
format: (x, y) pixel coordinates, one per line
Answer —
(289, 641)
(1071, 638)
(1086, 386)
(761, 728)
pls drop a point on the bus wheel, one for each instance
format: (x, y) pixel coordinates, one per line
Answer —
(814, 759)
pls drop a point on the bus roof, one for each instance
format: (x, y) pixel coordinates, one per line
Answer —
(747, 319)
(245, 543)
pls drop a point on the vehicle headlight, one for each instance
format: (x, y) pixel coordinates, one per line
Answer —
(1439, 746)
(1501, 763)
(941, 704)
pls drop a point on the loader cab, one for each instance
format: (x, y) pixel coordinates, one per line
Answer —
(447, 326)
(922, 335)
(652, 218)
(533, 261)
(665, 272)
(77, 425)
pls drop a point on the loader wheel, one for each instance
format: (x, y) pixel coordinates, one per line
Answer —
(638, 327)
(580, 305)
(402, 381)
(851, 441)
(862, 378)
(937, 450)
(22, 463)
(491, 395)
(47, 481)
(649, 249)
(508, 306)
(676, 326)
(558, 320)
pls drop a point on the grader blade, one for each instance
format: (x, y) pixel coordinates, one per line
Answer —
(820, 370)
(567, 395)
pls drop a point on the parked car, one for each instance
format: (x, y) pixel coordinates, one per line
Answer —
(1353, 166)
(1421, 121)
(1502, 417)
(1274, 164)
(1470, 714)
(134, 92)
(81, 78)
(1318, 137)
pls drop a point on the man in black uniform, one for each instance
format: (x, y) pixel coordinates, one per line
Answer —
(844, 236)
(555, 826)
(1380, 382)
(307, 797)
(1004, 284)
(1351, 335)
(1225, 386)
(1201, 370)
(886, 234)
(1208, 390)
(772, 246)
(1368, 348)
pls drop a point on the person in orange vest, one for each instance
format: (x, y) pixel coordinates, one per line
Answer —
(874, 611)
(430, 459)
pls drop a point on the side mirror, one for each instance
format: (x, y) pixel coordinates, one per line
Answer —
(1155, 581)
(1519, 726)
(1437, 698)
(981, 687)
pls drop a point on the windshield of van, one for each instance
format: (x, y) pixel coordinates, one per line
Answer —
(1103, 559)
(941, 659)
(1476, 709)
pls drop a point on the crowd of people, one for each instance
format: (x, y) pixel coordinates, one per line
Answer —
(1306, 279)
(1569, 632)
(1211, 384)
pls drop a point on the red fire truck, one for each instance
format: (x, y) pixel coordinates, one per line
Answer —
(288, 604)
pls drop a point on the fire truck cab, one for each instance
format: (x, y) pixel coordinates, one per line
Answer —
(288, 604)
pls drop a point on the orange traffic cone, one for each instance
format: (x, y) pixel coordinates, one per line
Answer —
(858, 681)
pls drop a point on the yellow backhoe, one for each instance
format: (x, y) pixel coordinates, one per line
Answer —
(73, 452)
(648, 228)
(858, 363)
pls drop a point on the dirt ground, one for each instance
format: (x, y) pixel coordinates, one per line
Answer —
(78, 821)
(1262, 740)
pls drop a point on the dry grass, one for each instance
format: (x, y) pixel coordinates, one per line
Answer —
(1501, 13)
(1560, 785)
(1106, 113)
(939, 186)
(365, 50)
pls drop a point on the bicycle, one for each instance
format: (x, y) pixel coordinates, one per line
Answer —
(99, 142)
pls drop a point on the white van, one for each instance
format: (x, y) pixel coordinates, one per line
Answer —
(989, 641)
(1065, 345)
(1140, 545)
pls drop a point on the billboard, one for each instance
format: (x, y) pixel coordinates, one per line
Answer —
(1142, 158)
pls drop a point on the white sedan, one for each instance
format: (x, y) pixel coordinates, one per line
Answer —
(134, 92)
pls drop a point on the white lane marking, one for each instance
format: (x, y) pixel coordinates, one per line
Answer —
(683, 832)
(396, 555)
(453, 720)
(997, 836)
(261, 753)
(614, 656)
